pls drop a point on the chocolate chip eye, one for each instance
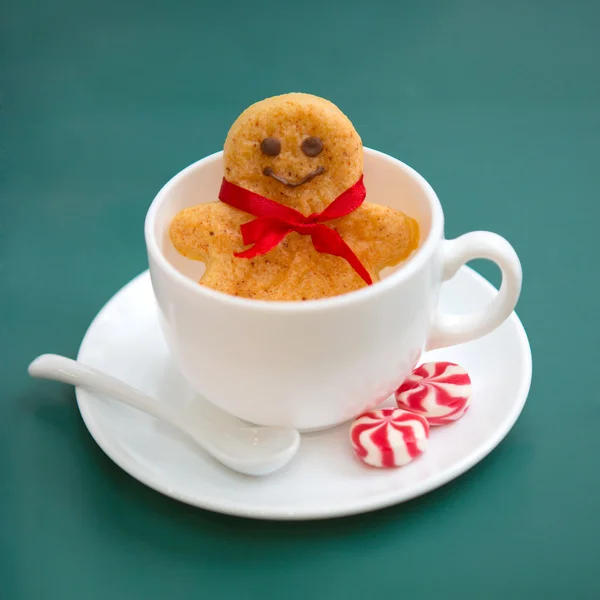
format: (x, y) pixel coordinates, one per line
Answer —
(312, 146)
(270, 146)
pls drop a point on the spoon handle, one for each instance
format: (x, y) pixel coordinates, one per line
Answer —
(60, 368)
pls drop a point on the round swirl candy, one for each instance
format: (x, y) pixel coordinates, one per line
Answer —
(389, 437)
(439, 391)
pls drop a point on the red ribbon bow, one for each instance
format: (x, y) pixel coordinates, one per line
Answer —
(275, 221)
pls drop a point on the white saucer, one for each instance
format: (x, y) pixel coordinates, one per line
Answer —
(324, 479)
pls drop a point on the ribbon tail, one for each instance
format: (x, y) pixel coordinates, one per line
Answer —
(356, 264)
(258, 228)
(263, 244)
(329, 241)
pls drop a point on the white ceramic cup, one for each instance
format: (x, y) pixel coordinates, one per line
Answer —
(313, 365)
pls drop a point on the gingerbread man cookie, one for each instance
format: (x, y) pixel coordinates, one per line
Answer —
(291, 223)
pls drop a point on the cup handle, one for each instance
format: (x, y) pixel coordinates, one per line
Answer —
(448, 330)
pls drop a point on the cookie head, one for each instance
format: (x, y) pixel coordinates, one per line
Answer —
(296, 149)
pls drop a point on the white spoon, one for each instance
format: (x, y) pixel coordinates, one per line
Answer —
(243, 448)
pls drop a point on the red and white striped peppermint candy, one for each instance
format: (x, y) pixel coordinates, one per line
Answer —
(439, 391)
(389, 437)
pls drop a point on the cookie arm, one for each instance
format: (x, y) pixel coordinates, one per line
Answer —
(191, 231)
(380, 236)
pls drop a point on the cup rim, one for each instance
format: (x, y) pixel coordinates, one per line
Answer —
(416, 261)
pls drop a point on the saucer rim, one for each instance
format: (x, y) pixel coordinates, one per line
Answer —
(225, 506)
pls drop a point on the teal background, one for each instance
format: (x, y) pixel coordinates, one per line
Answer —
(497, 104)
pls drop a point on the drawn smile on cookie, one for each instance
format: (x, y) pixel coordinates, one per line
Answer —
(270, 173)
